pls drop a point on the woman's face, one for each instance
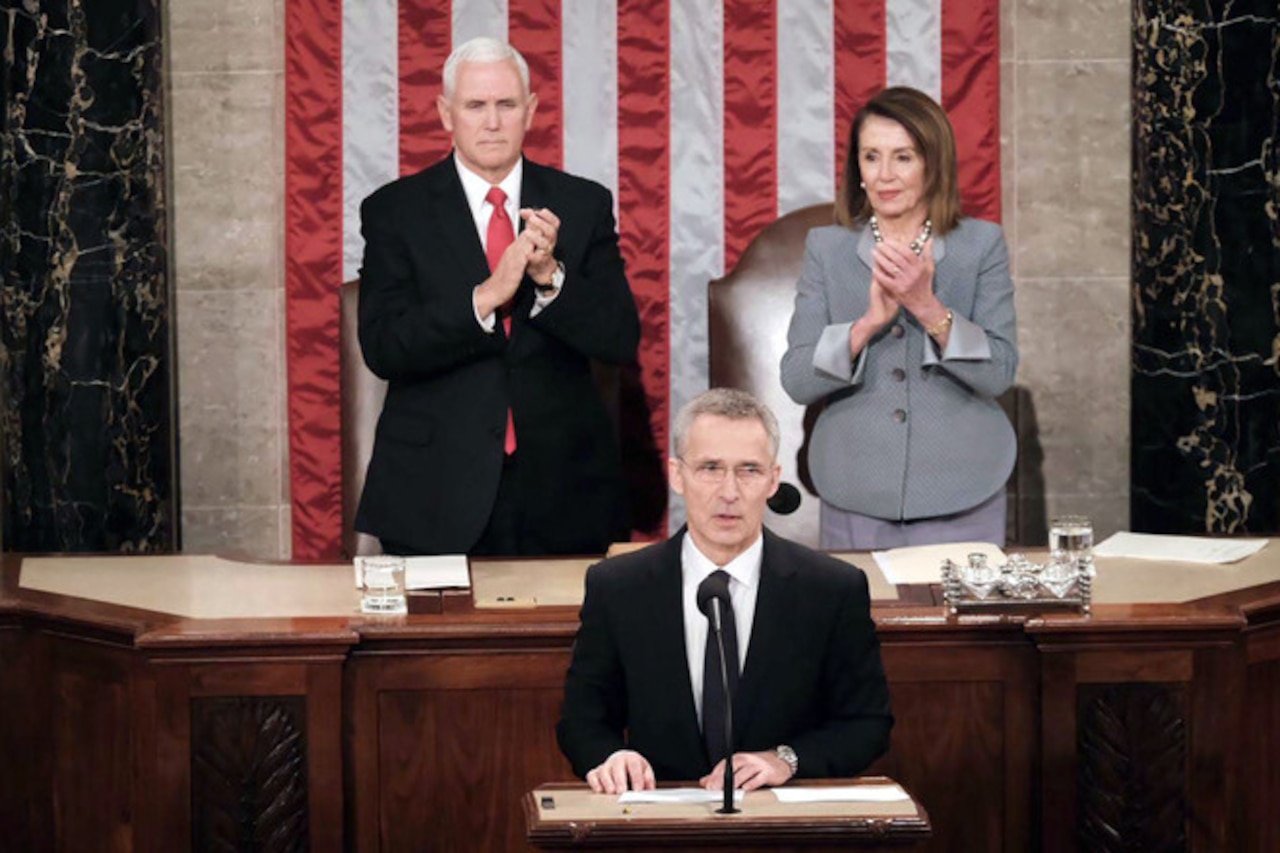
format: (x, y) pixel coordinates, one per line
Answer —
(892, 169)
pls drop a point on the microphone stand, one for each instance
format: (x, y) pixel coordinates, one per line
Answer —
(728, 807)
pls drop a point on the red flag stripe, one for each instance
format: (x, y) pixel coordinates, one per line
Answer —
(750, 122)
(644, 180)
(534, 30)
(426, 37)
(971, 96)
(313, 269)
(860, 65)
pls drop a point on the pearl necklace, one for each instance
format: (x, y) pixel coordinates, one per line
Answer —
(917, 245)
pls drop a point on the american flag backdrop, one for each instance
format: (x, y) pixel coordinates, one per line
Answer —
(707, 119)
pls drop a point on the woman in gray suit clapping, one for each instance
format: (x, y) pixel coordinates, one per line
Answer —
(904, 331)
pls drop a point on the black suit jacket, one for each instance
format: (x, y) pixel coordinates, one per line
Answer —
(813, 677)
(438, 451)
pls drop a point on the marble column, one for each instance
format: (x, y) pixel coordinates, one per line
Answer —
(1206, 267)
(85, 340)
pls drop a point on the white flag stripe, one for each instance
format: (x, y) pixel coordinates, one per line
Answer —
(370, 113)
(697, 185)
(474, 18)
(697, 195)
(806, 103)
(913, 45)
(589, 36)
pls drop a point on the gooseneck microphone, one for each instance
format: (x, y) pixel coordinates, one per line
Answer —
(714, 602)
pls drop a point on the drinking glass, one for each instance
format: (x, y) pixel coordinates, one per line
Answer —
(1073, 536)
(383, 582)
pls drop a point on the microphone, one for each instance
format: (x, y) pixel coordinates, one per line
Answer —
(714, 587)
(786, 500)
(713, 596)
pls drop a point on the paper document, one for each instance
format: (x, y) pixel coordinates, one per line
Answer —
(842, 794)
(434, 572)
(923, 563)
(676, 795)
(1180, 549)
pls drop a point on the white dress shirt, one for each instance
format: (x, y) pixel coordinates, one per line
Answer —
(476, 189)
(744, 584)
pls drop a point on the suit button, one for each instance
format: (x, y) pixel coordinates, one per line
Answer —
(898, 331)
(899, 415)
(899, 375)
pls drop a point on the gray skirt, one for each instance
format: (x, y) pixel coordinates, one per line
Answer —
(841, 530)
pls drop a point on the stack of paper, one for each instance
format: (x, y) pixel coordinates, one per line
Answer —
(1177, 549)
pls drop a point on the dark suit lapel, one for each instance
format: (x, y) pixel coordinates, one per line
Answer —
(448, 223)
(669, 641)
(766, 652)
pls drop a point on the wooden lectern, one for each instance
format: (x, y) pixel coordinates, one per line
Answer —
(569, 815)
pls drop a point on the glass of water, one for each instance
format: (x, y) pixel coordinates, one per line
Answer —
(383, 582)
(1072, 535)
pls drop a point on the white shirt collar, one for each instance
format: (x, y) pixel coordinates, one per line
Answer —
(476, 188)
(744, 568)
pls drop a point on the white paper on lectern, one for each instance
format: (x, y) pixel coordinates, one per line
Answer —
(923, 563)
(1178, 549)
(842, 794)
(676, 795)
(435, 572)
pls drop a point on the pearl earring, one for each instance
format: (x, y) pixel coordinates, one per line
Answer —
(862, 184)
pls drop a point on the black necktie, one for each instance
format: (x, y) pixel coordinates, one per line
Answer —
(713, 699)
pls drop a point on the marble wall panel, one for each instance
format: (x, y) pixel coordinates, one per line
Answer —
(230, 409)
(243, 532)
(85, 356)
(1072, 168)
(227, 97)
(1080, 29)
(230, 35)
(1065, 82)
(227, 180)
(1206, 361)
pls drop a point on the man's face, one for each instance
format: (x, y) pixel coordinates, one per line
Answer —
(725, 517)
(488, 115)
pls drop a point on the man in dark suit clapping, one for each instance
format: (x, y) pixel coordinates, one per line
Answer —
(489, 283)
(811, 699)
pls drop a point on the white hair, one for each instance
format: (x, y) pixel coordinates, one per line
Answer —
(482, 49)
(728, 403)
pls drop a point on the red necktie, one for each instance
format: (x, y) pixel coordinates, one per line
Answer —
(501, 235)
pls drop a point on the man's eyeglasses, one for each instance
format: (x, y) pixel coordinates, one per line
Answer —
(747, 474)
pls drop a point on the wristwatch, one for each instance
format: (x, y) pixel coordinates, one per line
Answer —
(788, 755)
(557, 281)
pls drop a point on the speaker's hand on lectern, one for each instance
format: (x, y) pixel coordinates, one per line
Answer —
(751, 770)
(625, 770)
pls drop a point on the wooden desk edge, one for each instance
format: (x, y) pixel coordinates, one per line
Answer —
(887, 829)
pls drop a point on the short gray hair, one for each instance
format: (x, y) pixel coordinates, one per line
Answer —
(726, 403)
(482, 49)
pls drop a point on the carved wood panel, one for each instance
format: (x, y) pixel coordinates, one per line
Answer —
(249, 774)
(1132, 773)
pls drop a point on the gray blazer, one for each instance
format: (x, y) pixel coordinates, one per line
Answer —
(907, 432)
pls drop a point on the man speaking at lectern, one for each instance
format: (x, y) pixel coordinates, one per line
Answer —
(811, 699)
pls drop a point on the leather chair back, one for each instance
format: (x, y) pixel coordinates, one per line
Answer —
(362, 396)
(748, 314)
